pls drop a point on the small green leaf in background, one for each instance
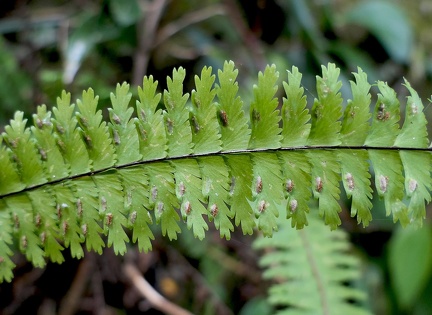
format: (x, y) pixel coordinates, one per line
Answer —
(410, 263)
(256, 306)
(388, 24)
(125, 12)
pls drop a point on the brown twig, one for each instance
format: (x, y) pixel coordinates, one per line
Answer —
(155, 299)
(70, 302)
(249, 39)
(186, 20)
(146, 32)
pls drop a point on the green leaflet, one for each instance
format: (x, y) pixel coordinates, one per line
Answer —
(296, 170)
(295, 115)
(6, 227)
(266, 189)
(150, 124)
(23, 151)
(112, 209)
(54, 166)
(95, 132)
(355, 125)
(264, 116)
(9, 178)
(72, 179)
(122, 129)
(354, 167)
(325, 185)
(69, 219)
(205, 133)
(176, 117)
(385, 119)
(417, 165)
(240, 167)
(326, 110)
(68, 137)
(136, 203)
(189, 193)
(233, 123)
(356, 181)
(162, 198)
(215, 189)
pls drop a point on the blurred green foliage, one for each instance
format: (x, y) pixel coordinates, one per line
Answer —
(50, 45)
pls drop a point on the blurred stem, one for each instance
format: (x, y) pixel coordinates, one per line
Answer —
(70, 302)
(186, 20)
(146, 36)
(248, 37)
(155, 299)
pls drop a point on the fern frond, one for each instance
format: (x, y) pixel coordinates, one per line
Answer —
(310, 271)
(72, 178)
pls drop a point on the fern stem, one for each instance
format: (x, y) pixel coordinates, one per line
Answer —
(315, 272)
(209, 154)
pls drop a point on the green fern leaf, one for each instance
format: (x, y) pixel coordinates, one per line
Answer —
(296, 171)
(95, 132)
(24, 153)
(355, 124)
(326, 110)
(354, 166)
(417, 165)
(45, 221)
(325, 185)
(29, 242)
(240, 168)
(123, 130)
(385, 128)
(54, 166)
(295, 116)
(205, 133)
(176, 117)
(215, 174)
(75, 179)
(189, 193)
(310, 272)
(267, 194)
(69, 219)
(9, 178)
(162, 197)
(68, 137)
(356, 182)
(87, 207)
(136, 202)
(6, 229)
(389, 183)
(264, 116)
(112, 210)
(235, 133)
(151, 128)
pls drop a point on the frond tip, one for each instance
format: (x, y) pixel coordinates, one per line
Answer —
(72, 178)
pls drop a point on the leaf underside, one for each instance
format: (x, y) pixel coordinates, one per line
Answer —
(73, 178)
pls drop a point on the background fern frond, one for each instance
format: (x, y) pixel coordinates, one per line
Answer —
(310, 272)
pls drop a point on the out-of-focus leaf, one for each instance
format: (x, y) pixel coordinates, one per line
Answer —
(92, 31)
(387, 22)
(256, 306)
(125, 12)
(410, 263)
(15, 85)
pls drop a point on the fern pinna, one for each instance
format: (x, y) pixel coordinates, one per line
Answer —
(73, 178)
